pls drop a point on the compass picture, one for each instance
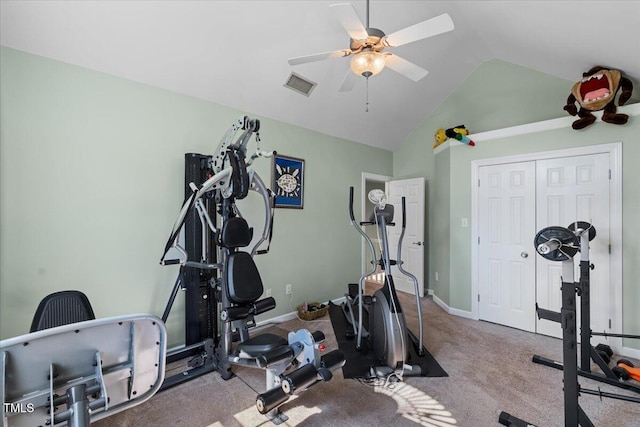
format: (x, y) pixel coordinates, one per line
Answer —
(288, 182)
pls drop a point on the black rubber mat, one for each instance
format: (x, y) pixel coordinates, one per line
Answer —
(358, 362)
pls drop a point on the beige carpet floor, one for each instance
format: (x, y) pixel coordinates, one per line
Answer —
(489, 367)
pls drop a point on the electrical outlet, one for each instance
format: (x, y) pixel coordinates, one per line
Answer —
(267, 293)
(288, 289)
(437, 276)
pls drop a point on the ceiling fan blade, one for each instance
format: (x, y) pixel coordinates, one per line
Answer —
(348, 18)
(348, 82)
(404, 67)
(422, 30)
(319, 56)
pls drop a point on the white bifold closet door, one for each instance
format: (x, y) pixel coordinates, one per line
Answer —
(506, 256)
(574, 189)
(515, 201)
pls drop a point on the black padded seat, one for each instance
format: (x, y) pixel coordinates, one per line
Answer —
(261, 344)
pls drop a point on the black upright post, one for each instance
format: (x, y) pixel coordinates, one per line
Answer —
(585, 304)
(569, 344)
(200, 322)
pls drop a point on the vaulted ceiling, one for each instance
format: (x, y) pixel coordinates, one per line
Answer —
(235, 52)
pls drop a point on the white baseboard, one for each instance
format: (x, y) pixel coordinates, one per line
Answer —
(626, 351)
(290, 316)
(453, 311)
(339, 301)
(278, 319)
(440, 303)
(631, 352)
(462, 313)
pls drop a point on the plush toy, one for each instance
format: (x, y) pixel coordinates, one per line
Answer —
(440, 137)
(597, 91)
(459, 132)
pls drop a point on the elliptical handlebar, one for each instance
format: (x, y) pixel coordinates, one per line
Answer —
(404, 214)
(409, 275)
(353, 219)
(373, 266)
(404, 227)
(366, 237)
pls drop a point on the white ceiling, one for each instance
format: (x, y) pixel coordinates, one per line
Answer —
(235, 52)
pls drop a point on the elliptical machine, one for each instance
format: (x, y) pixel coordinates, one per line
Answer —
(387, 334)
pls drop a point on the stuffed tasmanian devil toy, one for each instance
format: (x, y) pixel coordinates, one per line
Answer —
(597, 91)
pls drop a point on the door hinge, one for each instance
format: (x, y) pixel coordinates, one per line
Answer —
(609, 323)
(479, 301)
(609, 248)
(478, 239)
(478, 183)
(609, 173)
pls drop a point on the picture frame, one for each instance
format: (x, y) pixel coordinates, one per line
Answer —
(287, 180)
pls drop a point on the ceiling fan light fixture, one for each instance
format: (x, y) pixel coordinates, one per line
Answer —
(367, 63)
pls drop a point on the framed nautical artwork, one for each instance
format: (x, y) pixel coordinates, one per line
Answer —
(288, 181)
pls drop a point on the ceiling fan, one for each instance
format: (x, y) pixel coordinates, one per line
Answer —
(368, 45)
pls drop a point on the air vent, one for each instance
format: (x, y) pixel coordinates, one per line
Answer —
(300, 84)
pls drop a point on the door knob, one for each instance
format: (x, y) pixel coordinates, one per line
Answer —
(417, 243)
(524, 254)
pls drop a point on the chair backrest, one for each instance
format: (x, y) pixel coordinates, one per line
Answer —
(244, 285)
(62, 308)
(235, 233)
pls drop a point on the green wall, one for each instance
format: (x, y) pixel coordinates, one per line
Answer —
(495, 96)
(484, 101)
(91, 180)
(91, 170)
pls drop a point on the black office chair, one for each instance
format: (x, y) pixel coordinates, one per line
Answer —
(62, 308)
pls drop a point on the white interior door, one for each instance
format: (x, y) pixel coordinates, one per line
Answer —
(506, 256)
(413, 241)
(575, 189)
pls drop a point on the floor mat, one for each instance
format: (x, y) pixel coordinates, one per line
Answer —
(359, 362)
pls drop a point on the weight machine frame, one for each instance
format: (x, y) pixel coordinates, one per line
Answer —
(216, 268)
(201, 324)
(197, 255)
(562, 244)
(587, 351)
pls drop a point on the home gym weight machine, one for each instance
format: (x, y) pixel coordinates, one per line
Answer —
(562, 244)
(387, 332)
(233, 299)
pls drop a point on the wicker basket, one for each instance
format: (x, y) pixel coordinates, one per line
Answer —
(312, 314)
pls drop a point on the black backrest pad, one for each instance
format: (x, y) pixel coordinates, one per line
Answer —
(62, 308)
(239, 174)
(235, 233)
(244, 285)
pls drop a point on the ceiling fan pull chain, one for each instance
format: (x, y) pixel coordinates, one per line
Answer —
(366, 105)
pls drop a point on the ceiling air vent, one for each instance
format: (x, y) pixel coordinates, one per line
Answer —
(300, 84)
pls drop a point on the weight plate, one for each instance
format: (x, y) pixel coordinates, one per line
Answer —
(569, 243)
(585, 226)
(626, 362)
(620, 373)
(605, 348)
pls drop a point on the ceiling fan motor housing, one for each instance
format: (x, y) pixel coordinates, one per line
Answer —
(373, 42)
